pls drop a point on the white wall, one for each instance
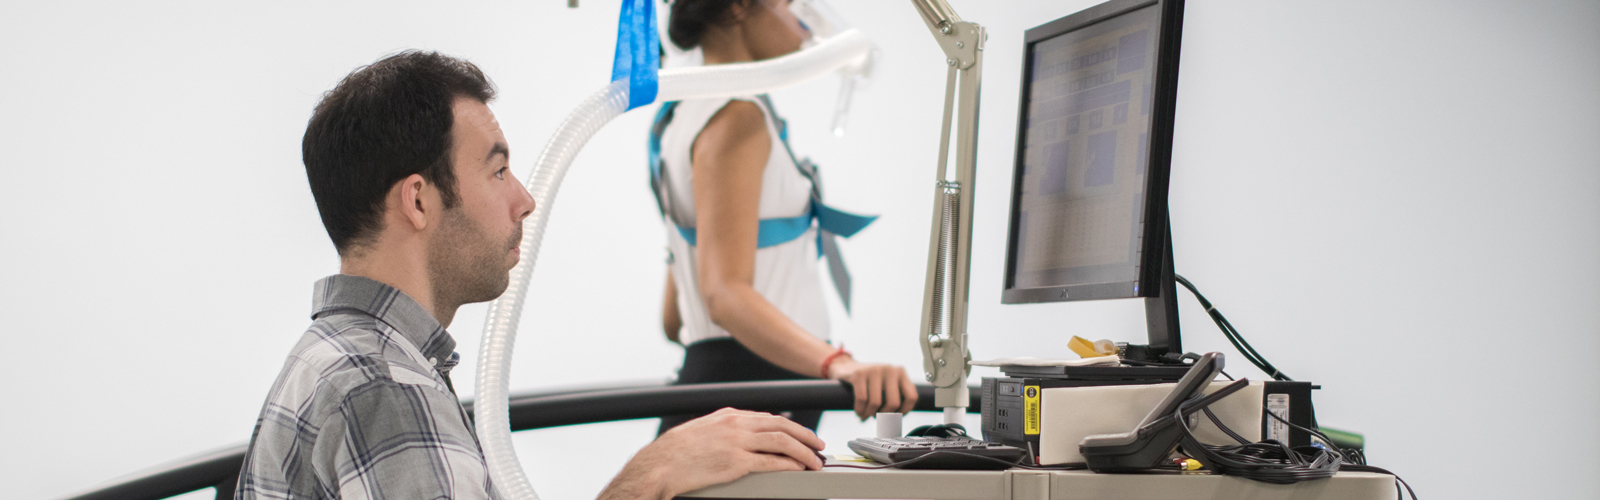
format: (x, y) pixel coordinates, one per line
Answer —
(1398, 201)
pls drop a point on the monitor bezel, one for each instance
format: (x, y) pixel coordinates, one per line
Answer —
(1154, 234)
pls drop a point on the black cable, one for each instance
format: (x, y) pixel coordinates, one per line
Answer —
(1137, 362)
(1380, 470)
(1266, 461)
(1225, 429)
(1270, 461)
(1355, 458)
(1269, 450)
(1016, 464)
(1232, 334)
(1244, 346)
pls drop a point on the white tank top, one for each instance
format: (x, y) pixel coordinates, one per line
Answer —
(786, 274)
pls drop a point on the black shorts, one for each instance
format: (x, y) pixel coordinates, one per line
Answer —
(726, 360)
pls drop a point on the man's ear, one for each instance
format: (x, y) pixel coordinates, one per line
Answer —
(412, 207)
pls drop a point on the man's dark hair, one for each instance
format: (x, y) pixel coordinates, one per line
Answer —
(382, 123)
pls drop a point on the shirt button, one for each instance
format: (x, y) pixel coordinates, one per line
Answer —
(433, 361)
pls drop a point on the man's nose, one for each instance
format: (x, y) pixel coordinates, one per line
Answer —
(528, 203)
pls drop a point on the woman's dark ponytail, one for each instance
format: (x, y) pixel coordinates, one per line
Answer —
(691, 18)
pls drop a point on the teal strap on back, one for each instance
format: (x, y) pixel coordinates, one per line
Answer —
(770, 232)
(658, 127)
(840, 222)
(773, 232)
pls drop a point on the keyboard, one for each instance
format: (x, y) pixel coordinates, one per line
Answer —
(962, 453)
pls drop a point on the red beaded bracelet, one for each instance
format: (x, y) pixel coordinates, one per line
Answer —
(828, 361)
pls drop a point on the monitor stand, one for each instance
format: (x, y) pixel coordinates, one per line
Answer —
(1161, 312)
(1161, 360)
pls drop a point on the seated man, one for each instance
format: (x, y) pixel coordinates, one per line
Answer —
(410, 172)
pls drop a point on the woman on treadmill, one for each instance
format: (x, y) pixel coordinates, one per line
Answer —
(743, 293)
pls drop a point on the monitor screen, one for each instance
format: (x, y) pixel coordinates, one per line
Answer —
(1083, 186)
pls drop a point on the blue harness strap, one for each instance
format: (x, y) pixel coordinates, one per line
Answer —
(770, 232)
(840, 222)
(638, 55)
(658, 127)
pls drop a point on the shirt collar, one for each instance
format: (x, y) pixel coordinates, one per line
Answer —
(343, 292)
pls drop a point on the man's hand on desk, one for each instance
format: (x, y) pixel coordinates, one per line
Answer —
(879, 388)
(715, 449)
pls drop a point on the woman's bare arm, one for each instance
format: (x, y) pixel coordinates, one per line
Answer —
(671, 323)
(730, 155)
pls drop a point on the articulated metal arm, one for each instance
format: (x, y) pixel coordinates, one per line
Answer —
(944, 305)
(962, 41)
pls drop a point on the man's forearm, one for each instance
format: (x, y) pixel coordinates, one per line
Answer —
(637, 481)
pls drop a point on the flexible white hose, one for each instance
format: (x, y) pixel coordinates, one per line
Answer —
(492, 409)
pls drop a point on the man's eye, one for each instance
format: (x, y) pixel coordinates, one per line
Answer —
(501, 174)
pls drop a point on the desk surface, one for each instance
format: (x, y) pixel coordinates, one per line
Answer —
(1017, 484)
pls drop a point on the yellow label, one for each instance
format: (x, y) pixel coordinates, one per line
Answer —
(1030, 410)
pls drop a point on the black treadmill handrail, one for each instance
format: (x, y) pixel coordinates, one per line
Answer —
(538, 410)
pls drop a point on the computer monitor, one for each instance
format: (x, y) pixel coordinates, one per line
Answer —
(1094, 147)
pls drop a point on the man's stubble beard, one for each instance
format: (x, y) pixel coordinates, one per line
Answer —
(465, 264)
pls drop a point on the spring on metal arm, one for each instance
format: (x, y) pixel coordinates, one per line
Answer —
(950, 214)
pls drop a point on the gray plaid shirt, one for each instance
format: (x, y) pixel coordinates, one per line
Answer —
(363, 408)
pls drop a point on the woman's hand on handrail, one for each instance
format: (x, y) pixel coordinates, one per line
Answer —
(879, 388)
